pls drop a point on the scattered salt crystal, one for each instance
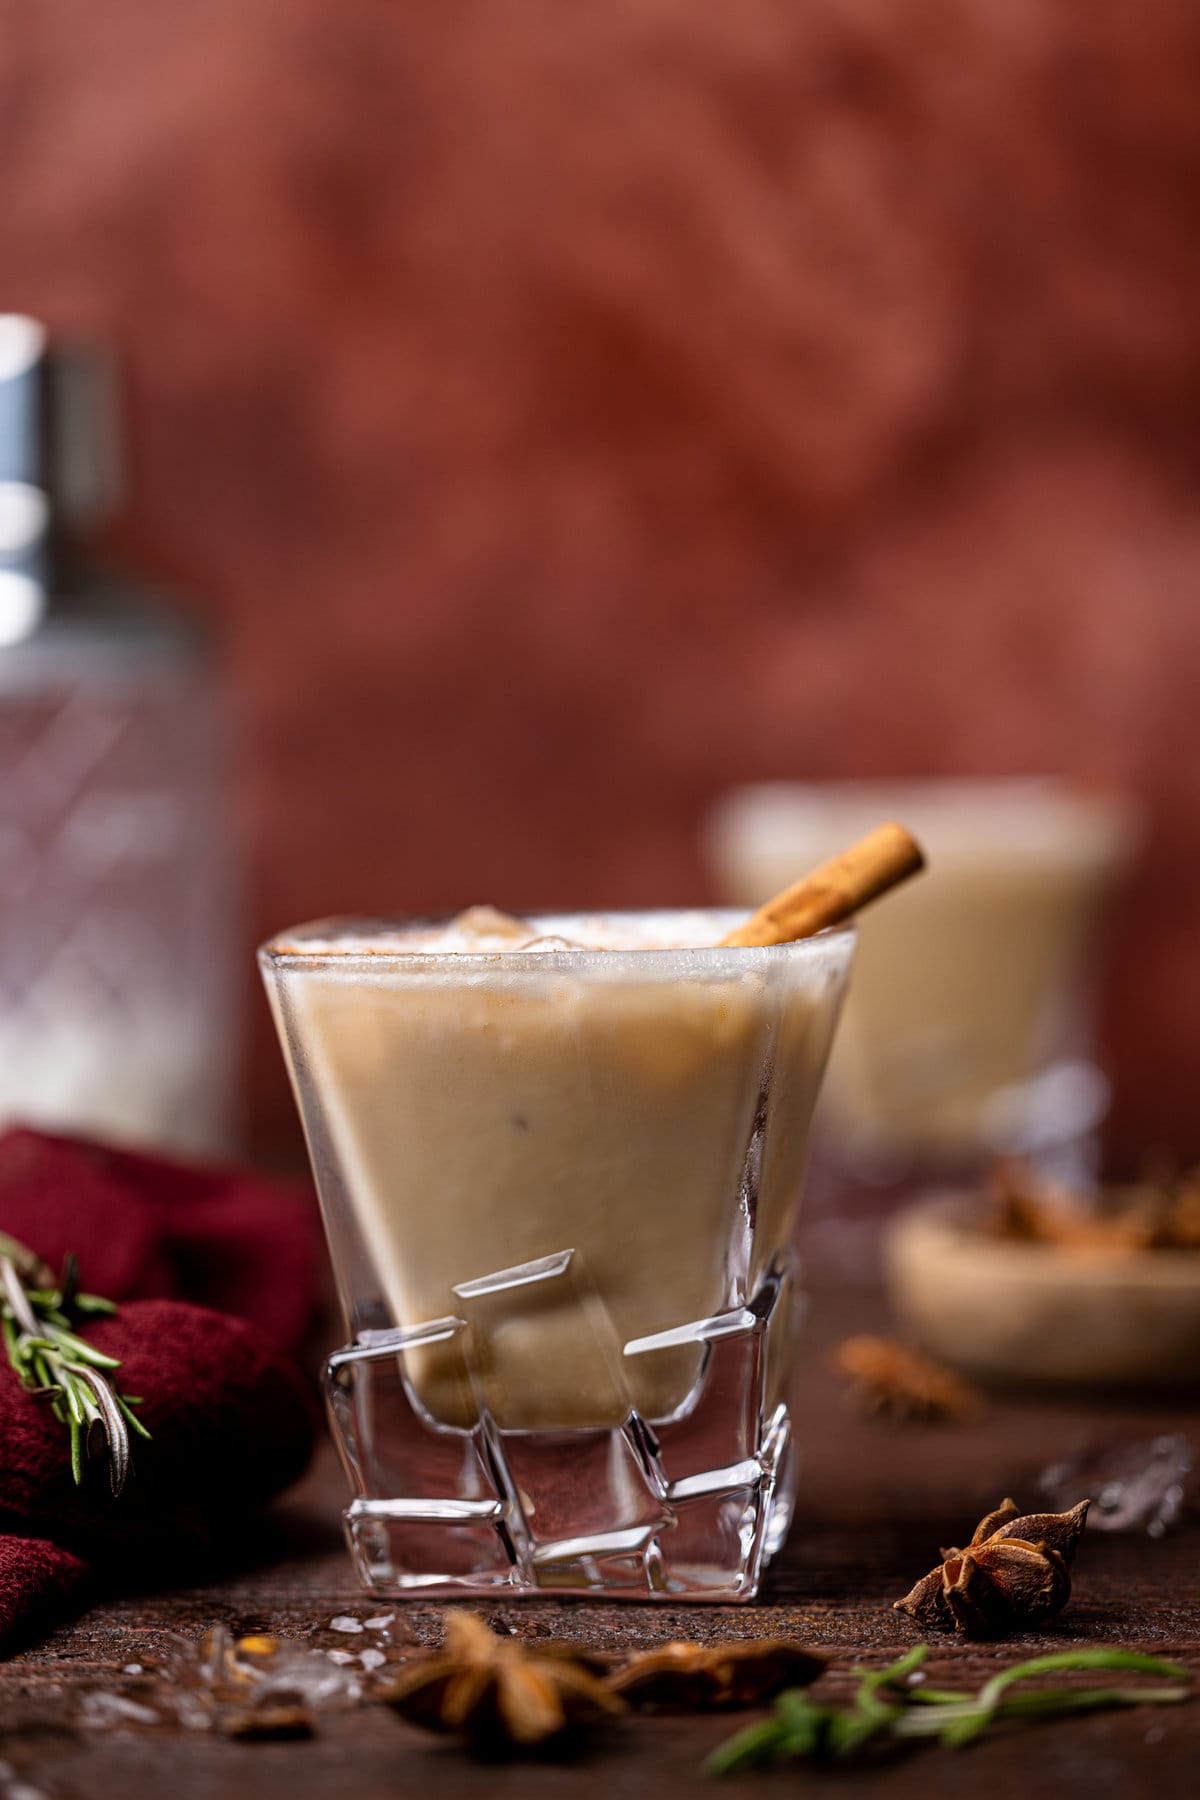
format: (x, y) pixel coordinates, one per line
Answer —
(191, 1712)
(133, 1669)
(1137, 1484)
(344, 1622)
(380, 1622)
(372, 1659)
(114, 1709)
(294, 1672)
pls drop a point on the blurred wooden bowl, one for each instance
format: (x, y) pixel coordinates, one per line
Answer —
(1036, 1312)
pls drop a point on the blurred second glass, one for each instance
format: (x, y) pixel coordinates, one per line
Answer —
(968, 1028)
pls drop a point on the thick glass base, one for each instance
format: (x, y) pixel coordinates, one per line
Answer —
(686, 1509)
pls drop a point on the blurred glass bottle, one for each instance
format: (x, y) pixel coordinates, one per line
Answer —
(117, 881)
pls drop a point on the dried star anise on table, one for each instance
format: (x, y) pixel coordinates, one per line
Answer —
(698, 1676)
(1161, 1211)
(892, 1378)
(1014, 1572)
(496, 1691)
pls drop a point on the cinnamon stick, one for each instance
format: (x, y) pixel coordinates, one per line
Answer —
(886, 856)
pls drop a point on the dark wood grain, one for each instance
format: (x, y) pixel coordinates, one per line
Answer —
(877, 1502)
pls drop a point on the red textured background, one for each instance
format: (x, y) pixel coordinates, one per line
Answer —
(568, 409)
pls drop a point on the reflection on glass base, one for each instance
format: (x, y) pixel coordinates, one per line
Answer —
(689, 1509)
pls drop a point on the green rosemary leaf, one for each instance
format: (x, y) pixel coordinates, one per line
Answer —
(874, 1679)
(81, 1351)
(804, 1722)
(74, 1407)
(1078, 1662)
(87, 1400)
(847, 1732)
(885, 1710)
(1025, 1706)
(125, 1403)
(750, 1748)
(54, 1363)
(92, 1303)
(1052, 1703)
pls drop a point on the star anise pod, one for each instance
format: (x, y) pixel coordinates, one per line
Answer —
(1029, 1206)
(700, 1677)
(1159, 1212)
(1177, 1226)
(1014, 1572)
(498, 1691)
(892, 1378)
(1182, 1231)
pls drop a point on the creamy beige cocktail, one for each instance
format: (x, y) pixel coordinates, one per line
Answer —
(489, 1094)
(970, 986)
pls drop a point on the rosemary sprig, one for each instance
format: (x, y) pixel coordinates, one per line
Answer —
(886, 1709)
(38, 1317)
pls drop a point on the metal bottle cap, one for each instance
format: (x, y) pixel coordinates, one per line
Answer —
(59, 461)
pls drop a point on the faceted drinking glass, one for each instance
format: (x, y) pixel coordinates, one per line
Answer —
(559, 1184)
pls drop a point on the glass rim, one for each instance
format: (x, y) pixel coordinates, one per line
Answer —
(288, 949)
(1018, 807)
(1046, 786)
(1001, 823)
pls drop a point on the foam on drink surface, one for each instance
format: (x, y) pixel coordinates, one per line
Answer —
(485, 931)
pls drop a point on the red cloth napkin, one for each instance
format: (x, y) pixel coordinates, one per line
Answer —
(230, 1416)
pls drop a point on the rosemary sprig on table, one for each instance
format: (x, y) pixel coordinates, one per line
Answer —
(38, 1318)
(885, 1709)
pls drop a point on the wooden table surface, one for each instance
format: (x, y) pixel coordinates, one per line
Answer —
(876, 1502)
